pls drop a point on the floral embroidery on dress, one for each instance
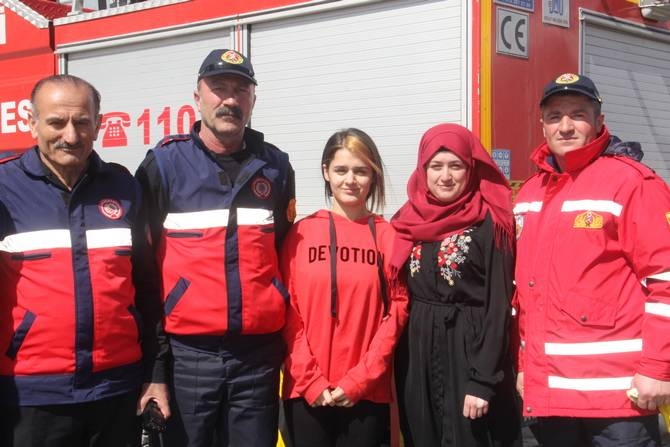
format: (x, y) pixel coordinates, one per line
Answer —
(452, 253)
(415, 260)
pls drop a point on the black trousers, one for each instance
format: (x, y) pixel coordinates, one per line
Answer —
(366, 424)
(597, 432)
(226, 394)
(109, 422)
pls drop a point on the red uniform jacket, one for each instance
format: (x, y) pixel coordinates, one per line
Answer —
(593, 295)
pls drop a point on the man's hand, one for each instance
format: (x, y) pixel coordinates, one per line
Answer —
(158, 392)
(474, 407)
(325, 399)
(519, 384)
(652, 393)
(341, 399)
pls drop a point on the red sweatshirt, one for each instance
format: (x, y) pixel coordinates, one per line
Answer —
(354, 348)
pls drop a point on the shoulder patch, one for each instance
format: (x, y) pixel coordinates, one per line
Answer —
(173, 138)
(291, 211)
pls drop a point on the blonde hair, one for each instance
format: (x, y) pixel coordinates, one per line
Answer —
(361, 145)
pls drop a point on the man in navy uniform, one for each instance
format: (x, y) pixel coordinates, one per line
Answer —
(221, 201)
(77, 282)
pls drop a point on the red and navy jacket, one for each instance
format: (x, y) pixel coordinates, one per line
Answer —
(217, 240)
(74, 284)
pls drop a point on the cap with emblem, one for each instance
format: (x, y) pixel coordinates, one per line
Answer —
(570, 82)
(226, 61)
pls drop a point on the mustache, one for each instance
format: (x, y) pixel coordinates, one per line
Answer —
(65, 145)
(229, 111)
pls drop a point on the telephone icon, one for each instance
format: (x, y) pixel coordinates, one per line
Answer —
(113, 124)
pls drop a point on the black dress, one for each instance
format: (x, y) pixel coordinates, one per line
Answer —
(456, 343)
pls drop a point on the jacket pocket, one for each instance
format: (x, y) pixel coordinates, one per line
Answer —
(20, 335)
(589, 311)
(184, 234)
(31, 256)
(175, 294)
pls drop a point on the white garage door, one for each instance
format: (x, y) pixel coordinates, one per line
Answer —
(631, 67)
(392, 69)
(150, 87)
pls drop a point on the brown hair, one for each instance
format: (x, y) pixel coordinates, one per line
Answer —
(361, 145)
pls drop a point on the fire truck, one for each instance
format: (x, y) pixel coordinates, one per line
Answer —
(393, 68)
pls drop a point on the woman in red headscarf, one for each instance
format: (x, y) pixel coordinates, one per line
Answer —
(455, 240)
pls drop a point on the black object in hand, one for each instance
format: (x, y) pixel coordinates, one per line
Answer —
(152, 417)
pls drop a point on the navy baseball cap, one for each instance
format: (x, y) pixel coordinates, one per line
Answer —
(226, 61)
(570, 82)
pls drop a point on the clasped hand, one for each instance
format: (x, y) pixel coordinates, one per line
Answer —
(332, 398)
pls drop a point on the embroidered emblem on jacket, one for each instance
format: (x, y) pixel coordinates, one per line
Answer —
(588, 219)
(518, 220)
(261, 188)
(111, 208)
(452, 254)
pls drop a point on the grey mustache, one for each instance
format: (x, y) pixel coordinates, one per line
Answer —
(229, 111)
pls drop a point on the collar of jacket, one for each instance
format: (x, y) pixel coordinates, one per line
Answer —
(32, 164)
(575, 160)
(253, 139)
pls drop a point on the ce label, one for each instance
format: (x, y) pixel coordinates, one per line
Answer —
(512, 32)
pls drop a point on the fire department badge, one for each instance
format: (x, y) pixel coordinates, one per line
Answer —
(567, 78)
(261, 188)
(232, 57)
(291, 211)
(588, 219)
(518, 220)
(111, 208)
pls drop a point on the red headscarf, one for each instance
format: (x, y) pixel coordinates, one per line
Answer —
(424, 218)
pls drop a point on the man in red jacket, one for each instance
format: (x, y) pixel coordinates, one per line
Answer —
(593, 279)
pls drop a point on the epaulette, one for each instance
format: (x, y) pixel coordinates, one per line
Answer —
(172, 138)
(7, 158)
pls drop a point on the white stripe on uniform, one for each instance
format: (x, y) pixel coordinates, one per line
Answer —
(604, 206)
(524, 207)
(197, 220)
(657, 309)
(591, 384)
(109, 237)
(254, 216)
(665, 276)
(36, 240)
(594, 348)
